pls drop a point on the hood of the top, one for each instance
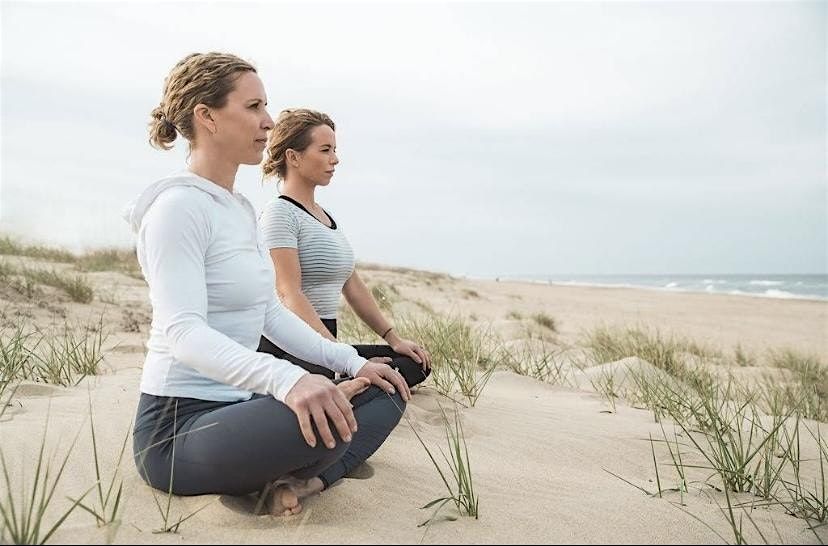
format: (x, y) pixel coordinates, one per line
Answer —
(134, 212)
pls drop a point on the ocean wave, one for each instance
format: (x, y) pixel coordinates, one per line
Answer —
(766, 283)
(772, 293)
(780, 294)
(671, 285)
(714, 281)
(709, 289)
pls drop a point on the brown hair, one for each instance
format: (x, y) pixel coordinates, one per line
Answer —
(198, 78)
(291, 130)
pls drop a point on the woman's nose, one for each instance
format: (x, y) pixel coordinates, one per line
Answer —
(335, 159)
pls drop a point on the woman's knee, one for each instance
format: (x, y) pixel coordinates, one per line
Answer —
(388, 411)
(413, 373)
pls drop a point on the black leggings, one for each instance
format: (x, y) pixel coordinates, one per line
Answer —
(410, 370)
(239, 447)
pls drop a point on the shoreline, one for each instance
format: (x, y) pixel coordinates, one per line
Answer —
(585, 284)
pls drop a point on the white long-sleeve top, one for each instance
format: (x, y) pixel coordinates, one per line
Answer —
(212, 291)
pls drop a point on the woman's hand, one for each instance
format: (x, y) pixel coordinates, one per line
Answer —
(413, 350)
(385, 377)
(317, 397)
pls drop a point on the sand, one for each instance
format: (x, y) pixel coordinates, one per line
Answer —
(542, 455)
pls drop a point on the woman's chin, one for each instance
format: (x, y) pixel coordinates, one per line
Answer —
(254, 159)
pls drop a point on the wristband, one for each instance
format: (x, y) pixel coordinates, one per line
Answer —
(386, 332)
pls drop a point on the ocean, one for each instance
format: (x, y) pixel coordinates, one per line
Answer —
(811, 287)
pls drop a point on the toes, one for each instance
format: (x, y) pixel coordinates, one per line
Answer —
(285, 502)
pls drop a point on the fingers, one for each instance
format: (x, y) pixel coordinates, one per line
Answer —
(353, 387)
(305, 427)
(347, 411)
(415, 356)
(383, 384)
(315, 400)
(321, 421)
(424, 358)
(398, 381)
(339, 411)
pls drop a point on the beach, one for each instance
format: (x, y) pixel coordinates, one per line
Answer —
(552, 460)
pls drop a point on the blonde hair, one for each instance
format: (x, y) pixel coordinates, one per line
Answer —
(198, 78)
(291, 131)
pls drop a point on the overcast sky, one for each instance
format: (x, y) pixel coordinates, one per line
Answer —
(474, 138)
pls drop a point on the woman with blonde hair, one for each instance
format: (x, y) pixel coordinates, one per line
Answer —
(215, 415)
(313, 260)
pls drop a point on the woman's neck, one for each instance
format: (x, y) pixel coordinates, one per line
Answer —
(299, 190)
(214, 169)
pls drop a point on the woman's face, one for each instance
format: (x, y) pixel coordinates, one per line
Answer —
(241, 126)
(316, 163)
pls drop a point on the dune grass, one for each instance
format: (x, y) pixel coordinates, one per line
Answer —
(742, 438)
(385, 295)
(106, 510)
(105, 259)
(471, 294)
(537, 360)
(546, 321)
(24, 519)
(109, 259)
(459, 465)
(12, 247)
(739, 449)
(463, 355)
(25, 280)
(460, 486)
(613, 344)
(351, 329)
(604, 385)
(60, 357)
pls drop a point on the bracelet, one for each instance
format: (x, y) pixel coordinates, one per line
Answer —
(386, 332)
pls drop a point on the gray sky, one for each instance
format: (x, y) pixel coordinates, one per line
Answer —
(474, 138)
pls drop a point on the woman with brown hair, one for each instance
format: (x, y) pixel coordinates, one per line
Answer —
(215, 415)
(313, 260)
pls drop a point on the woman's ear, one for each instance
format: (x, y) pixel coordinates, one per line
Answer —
(203, 117)
(292, 157)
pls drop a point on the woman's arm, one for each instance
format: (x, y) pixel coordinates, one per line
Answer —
(289, 288)
(175, 234)
(362, 302)
(296, 337)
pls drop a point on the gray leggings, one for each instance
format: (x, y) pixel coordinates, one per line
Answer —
(237, 448)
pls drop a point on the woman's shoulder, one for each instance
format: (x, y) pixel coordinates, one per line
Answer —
(278, 211)
(276, 203)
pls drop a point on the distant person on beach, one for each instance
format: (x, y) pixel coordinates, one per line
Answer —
(214, 415)
(313, 260)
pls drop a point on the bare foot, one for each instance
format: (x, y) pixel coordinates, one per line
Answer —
(353, 387)
(284, 501)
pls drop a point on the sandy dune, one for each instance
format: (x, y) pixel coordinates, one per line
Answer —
(541, 454)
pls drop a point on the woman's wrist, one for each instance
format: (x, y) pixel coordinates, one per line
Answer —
(390, 336)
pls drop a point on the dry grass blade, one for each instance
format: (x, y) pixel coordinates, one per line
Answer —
(461, 489)
(24, 522)
(107, 510)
